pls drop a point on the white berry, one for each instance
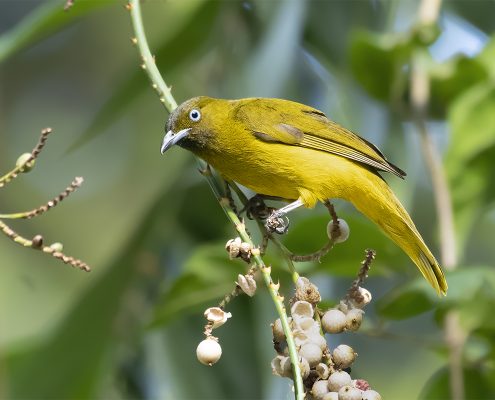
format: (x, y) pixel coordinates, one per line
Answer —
(311, 352)
(350, 393)
(333, 321)
(354, 319)
(337, 380)
(209, 351)
(342, 233)
(371, 395)
(343, 356)
(319, 389)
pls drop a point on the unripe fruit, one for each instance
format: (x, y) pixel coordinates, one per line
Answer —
(311, 352)
(208, 351)
(57, 246)
(350, 393)
(337, 380)
(333, 321)
(342, 232)
(371, 395)
(343, 356)
(304, 367)
(354, 319)
(319, 389)
(23, 161)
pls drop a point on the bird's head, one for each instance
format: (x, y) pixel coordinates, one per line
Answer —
(189, 125)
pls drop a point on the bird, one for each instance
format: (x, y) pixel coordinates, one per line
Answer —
(284, 149)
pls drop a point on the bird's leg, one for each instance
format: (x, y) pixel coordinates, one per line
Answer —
(257, 209)
(277, 221)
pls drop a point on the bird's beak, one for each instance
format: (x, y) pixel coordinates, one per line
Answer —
(172, 138)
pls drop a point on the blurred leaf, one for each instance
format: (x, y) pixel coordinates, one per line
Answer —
(186, 39)
(475, 380)
(308, 235)
(416, 297)
(378, 60)
(469, 160)
(208, 275)
(450, 79)
(45, 20)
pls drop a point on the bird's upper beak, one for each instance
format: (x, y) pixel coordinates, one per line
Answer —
(172, 138)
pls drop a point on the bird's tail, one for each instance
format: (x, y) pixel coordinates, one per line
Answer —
(378, 203)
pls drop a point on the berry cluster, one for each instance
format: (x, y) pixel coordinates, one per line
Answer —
(325, 372)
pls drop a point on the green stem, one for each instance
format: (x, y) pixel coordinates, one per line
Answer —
(170, 104)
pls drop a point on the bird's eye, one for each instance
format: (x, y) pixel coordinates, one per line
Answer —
(194, 115)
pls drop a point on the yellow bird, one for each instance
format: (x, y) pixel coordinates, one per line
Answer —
(292, 151)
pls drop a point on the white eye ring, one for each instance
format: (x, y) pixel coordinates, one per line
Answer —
(194, 115)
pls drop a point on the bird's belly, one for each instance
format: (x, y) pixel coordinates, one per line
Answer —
(288, 172)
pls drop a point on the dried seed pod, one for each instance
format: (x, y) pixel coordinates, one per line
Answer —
(233, 247)
(247, 283)
(350, 393)
(343, 356)
(361, 298)
(278, 330)
(277, 365)
(334, 321)
(37, 242)
(338, 235)
(216, 316)
(209, 351)
(337, 380)
(304, 367)
(302, 309)
(307, 291)
(287, 367)
(354, 319)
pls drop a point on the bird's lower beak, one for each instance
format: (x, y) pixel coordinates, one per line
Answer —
(172, 138)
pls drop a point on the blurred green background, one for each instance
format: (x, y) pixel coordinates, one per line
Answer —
(153, 232)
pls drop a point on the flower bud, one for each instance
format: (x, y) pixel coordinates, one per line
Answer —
(354, 318)
(337, 380)
(333, 321)
(209, 351)
(23, 161)
(57, 246)
(342, 233)
(343, 356)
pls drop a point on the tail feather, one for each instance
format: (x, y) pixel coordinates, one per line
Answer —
(379, 204)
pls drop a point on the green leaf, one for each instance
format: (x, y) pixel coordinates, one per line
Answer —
(407, 301)
(308, 235)
(469, 160)
(45, 20)
(208, 276)
(416, 297)
(475, 380)
(450, 79)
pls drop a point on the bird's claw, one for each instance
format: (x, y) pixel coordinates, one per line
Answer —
(277, 223)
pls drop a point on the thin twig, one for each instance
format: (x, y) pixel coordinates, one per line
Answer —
(169, 102)
(76, 183)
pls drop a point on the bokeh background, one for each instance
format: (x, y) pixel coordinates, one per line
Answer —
(153, 233)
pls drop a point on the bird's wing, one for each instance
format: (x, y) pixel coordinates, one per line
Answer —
(283, 121)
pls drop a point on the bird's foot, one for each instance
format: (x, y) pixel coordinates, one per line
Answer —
(257, 209)
(277, 223)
